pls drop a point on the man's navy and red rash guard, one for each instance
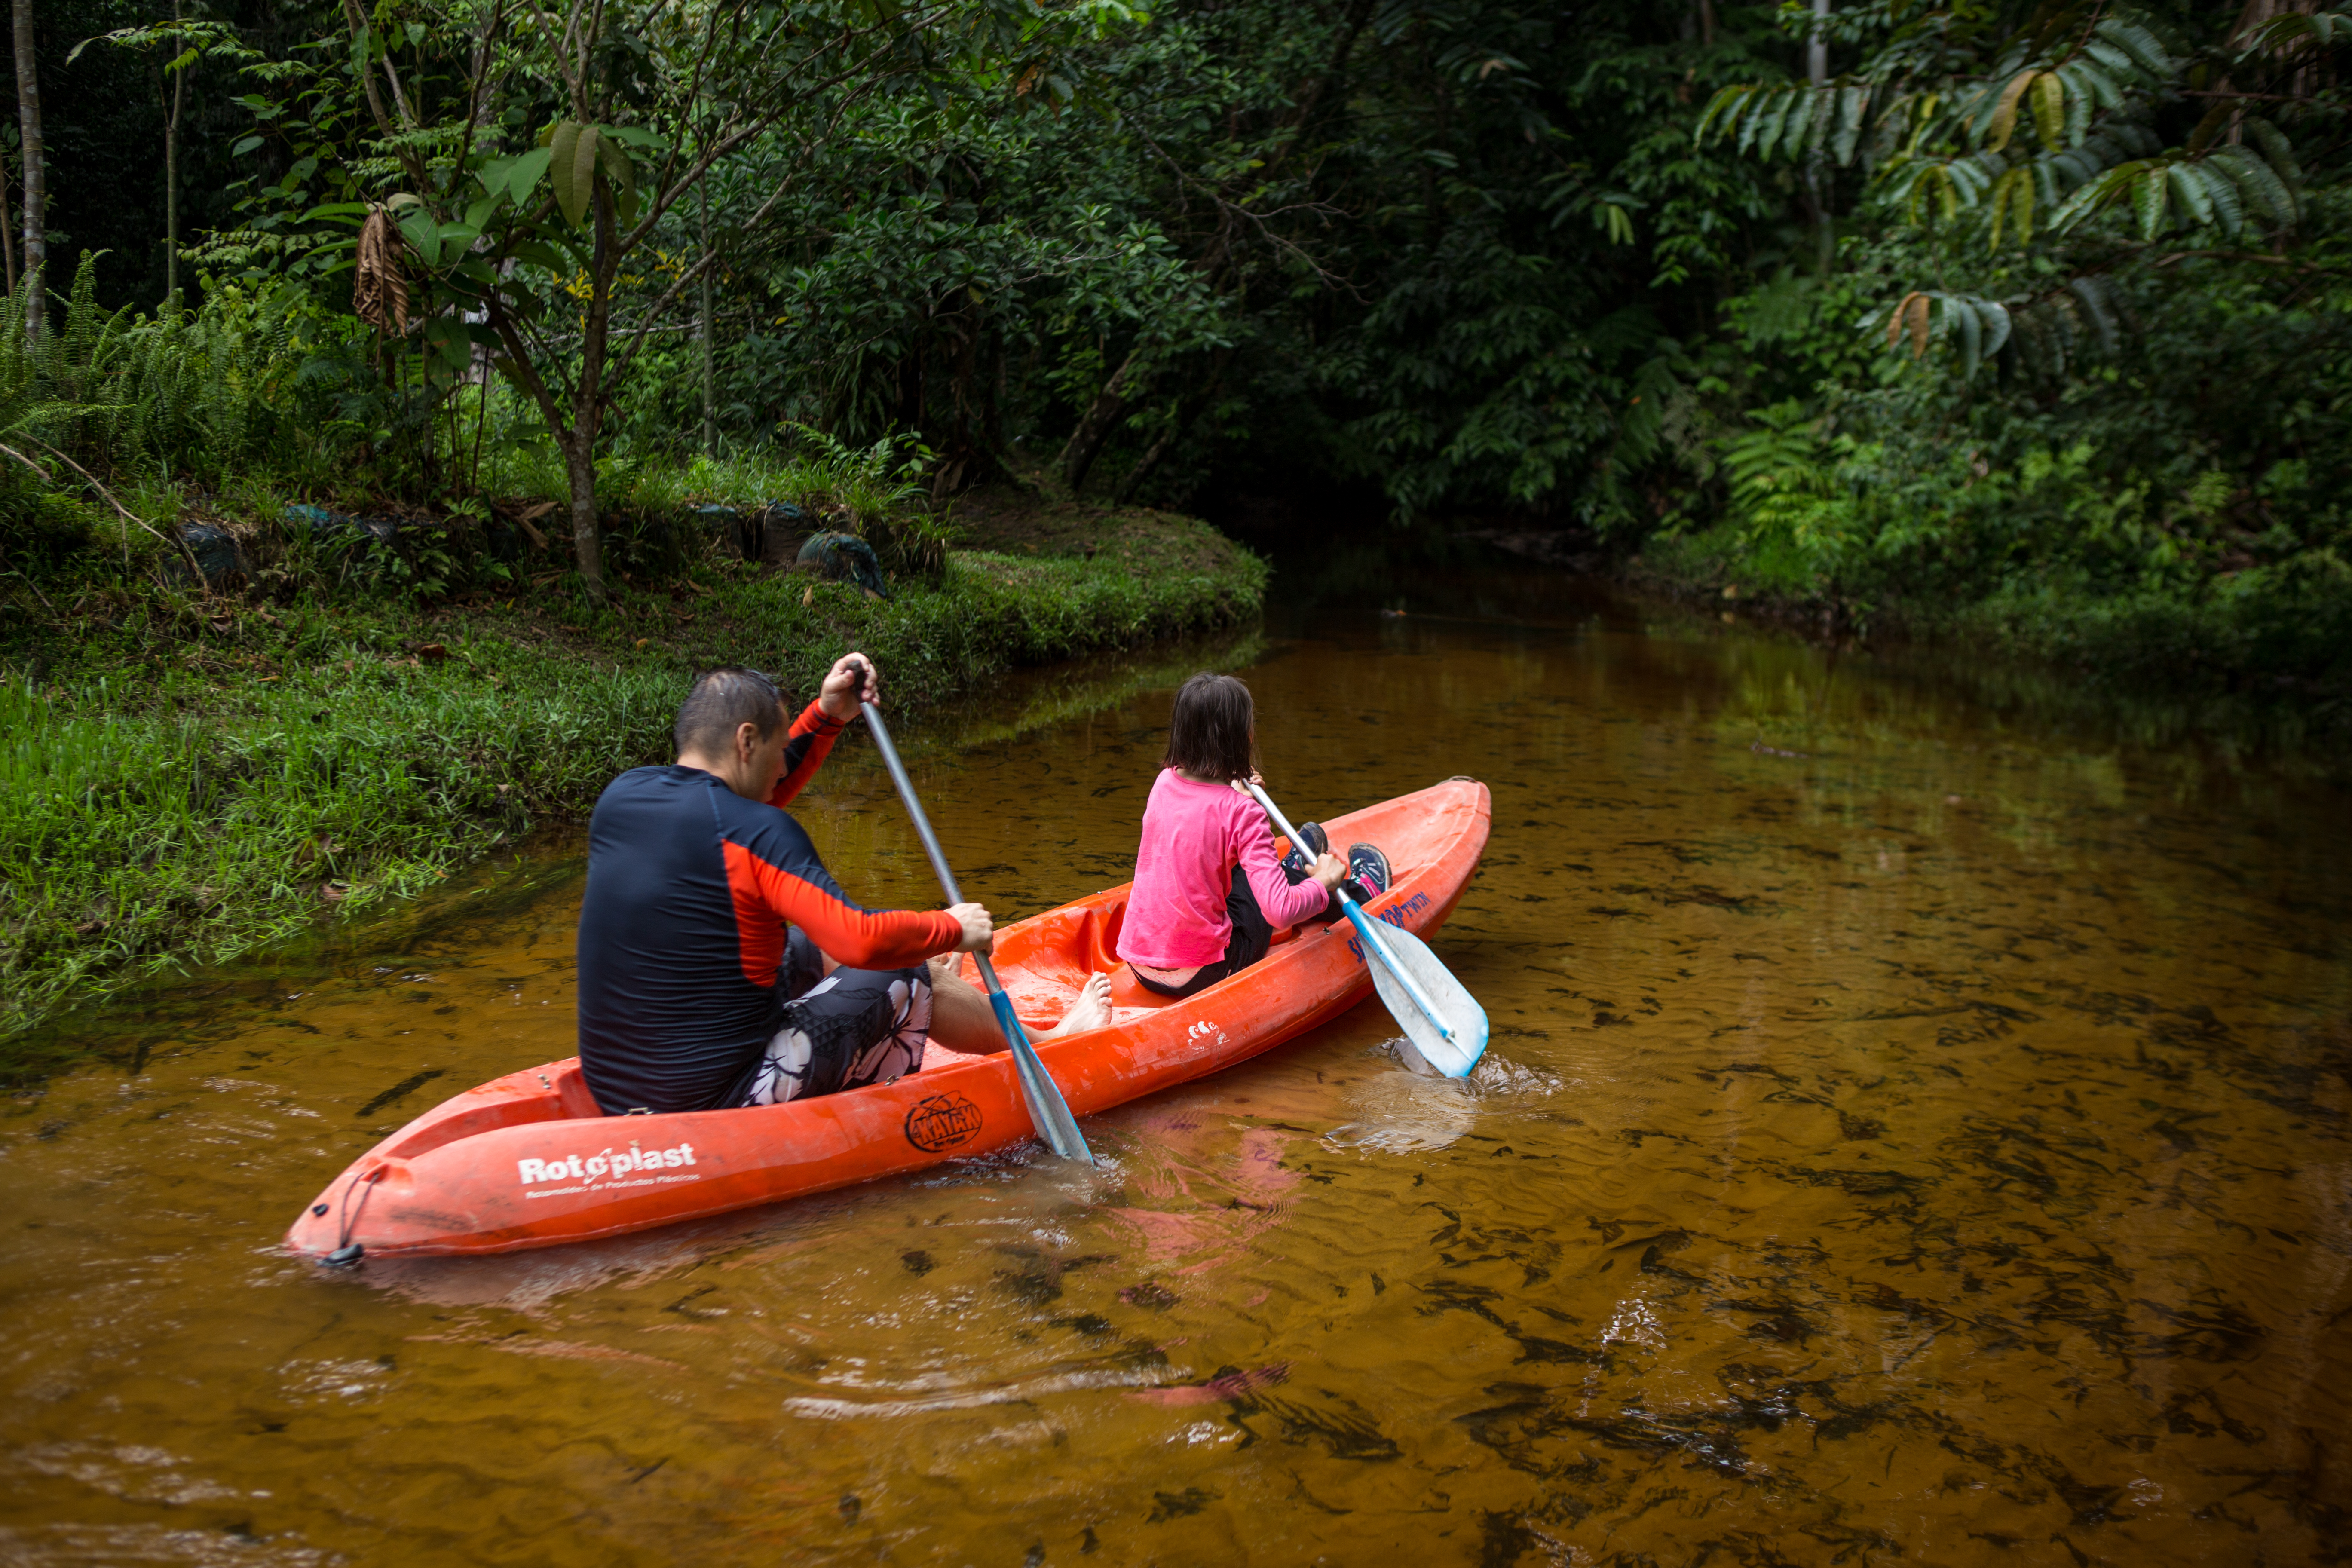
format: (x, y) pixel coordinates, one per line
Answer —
(682, 928)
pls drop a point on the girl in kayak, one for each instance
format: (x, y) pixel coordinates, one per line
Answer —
(1209, 893)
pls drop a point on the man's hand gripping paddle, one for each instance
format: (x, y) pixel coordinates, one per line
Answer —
(1048, 1111)
(1442, 1023)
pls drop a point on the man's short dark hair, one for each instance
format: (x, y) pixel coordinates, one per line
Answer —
(1213, 730)
(723, 701)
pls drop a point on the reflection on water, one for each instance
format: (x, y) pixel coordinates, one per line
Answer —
(1909, 1134)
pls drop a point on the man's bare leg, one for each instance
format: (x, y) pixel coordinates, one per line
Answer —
(961, 1019)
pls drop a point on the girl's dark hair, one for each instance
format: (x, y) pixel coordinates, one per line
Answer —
(1212, 731)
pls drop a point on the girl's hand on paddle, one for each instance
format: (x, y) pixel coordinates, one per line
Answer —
(978, 928)
(852, 680)
(1329, 870)
(1241, 786)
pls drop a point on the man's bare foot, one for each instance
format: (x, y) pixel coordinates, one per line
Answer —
(1090, 1011)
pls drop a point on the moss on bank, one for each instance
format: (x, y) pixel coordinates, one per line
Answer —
(188, 778)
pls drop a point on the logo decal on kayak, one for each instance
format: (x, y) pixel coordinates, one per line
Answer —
(1395, 915)
(1205, 1029)
(608, 1168)
(941, 1122)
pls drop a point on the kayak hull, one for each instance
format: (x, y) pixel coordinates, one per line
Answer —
(527, 1160)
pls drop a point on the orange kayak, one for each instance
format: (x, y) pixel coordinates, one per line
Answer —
(527, 1160)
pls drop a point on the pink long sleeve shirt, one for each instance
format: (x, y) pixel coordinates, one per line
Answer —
(1194, 837)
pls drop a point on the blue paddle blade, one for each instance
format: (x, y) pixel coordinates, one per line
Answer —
(1457, 1012)
(1049, 1113)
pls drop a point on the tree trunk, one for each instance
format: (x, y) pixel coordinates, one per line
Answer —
(28, 121)
(588, 400)
(172, 177)
(7, 233)
(1817, 171)
(579, 469)
(1102, 417)
(1151, 458)
(709, 375)
(1181, 418)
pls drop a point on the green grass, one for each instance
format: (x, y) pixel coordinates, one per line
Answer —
(180, 788)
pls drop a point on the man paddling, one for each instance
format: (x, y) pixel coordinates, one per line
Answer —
(720, 964)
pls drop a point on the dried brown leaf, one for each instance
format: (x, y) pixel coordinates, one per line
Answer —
(379, 293)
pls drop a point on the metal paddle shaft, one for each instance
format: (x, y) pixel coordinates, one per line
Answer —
(1441, 1021)
(1048, 1111)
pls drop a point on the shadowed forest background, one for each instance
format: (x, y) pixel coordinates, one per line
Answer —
(1623, 268)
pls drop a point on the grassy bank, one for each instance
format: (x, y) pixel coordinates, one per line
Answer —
(189, 775)
(2280, 629)
(2236, 670)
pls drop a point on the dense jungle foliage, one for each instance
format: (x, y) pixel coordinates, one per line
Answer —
(2020, 319)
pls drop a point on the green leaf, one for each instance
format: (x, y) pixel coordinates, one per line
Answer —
(539, 253)
(2223, 196)
(2191, 192)
(244, 144)
(1971, 335)
(1853, 103)
(528, 169)
(1763, 127)
(2050, 111)
(2147, 201)
(2278, 150)
(2089, 291)
(622, 176)
(1724, 106)
(2139, 44)
(1817, 131)
(1793, 124)
(1997, 324)
(1971, 180)
(424, 236)
(2004, 113)
(2102, 85)
(2255, 178)
(572, 168)
(2013, 195)
(2107, 54)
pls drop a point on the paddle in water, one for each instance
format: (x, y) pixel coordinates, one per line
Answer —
(1048, 1111)
(1443, 1026)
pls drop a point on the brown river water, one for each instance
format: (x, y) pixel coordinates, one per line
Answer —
(1913, 1131)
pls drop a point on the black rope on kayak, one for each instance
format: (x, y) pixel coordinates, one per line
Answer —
(346, 1250)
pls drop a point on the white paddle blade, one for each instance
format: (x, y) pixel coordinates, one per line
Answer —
(1455, 1005)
